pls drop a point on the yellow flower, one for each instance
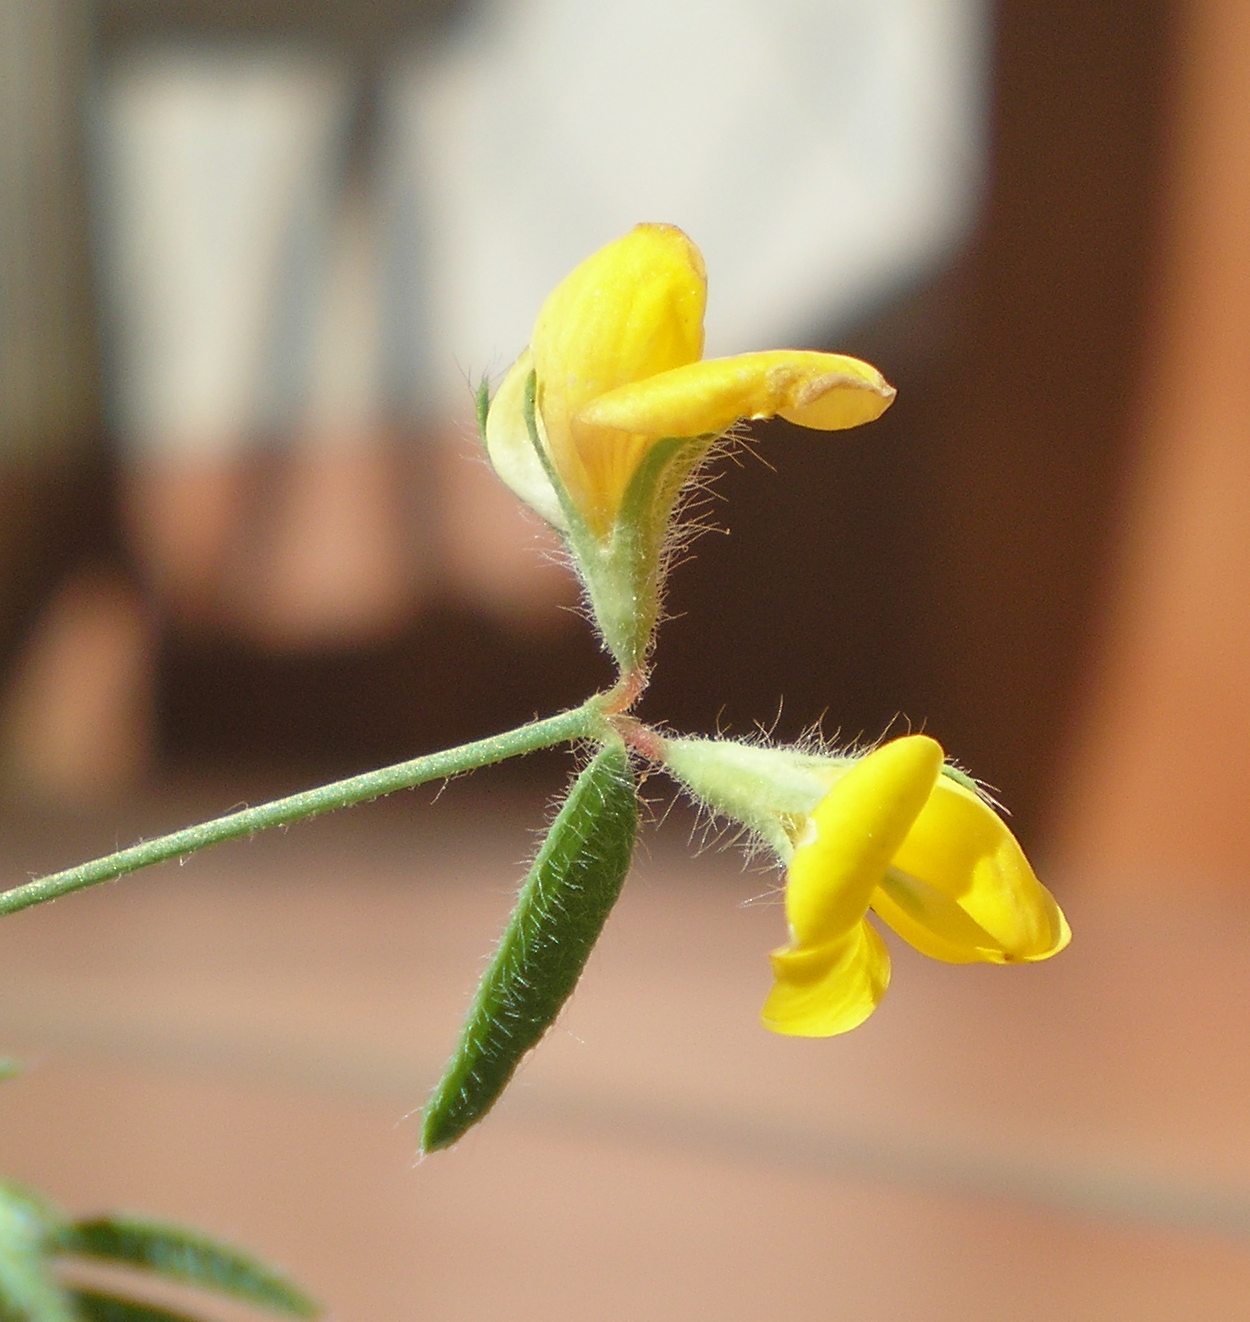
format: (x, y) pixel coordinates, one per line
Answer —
(616, 354)
(931, 858)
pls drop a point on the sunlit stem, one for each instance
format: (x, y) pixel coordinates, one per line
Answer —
(584, 722)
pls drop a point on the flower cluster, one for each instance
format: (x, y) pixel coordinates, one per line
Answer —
(602, 419)
(895, 832)
(597, 426)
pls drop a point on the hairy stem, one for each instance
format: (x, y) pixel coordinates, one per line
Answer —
(567, 727)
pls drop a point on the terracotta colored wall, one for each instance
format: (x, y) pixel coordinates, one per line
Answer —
(1161, 763)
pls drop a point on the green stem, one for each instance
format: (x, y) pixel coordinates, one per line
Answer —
(580, 723)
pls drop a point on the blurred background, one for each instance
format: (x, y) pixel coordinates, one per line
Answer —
(253, 258)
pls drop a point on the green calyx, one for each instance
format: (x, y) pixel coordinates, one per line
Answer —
(622, 569)
(634, 555)
(771, 791)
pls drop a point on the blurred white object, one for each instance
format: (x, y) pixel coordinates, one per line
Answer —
(821, 152)
(217, 173)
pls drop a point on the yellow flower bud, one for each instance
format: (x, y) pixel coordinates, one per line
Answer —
(624, 409)
(931, 858)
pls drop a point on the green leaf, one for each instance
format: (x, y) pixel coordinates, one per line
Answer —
(96, 1307)
(23, 1207)
(9, 1068)
(559, 914)
(28, 1290)
(185, 1255)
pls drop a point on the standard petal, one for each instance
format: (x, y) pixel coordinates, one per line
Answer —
(510, 449)
(961, 889)
(826, 391)
(853, 834)
(630, 310)
(829, 989)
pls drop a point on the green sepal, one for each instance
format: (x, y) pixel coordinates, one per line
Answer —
(481, 407)
(629, 578)
(181, 1254)
(579, 536)
(770, 791)
(606, 565)
(624, 572)
(961, 777)
(560, 912)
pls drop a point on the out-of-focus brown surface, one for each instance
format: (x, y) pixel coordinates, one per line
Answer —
(948, 565)
(945, 566)
(1162, 760)
(244, 1041)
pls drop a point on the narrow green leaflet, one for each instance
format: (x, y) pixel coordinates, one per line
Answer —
(561, 909)
(22, 1210)
(28, 1290)
(185, 1255)
(96, 1307)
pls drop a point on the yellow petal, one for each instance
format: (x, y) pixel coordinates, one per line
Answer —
(962, 890)
(829, 989)
(630, 310)
(510, 449)
(826, 391)
(854, 833)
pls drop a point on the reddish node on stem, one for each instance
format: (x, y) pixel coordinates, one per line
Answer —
(627, 690)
